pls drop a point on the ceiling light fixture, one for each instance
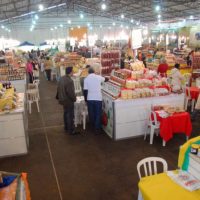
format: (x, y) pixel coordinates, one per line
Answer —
(69, 21)
(36, 17)
(103, 6)
(132, 20)
(34, 22)
(191, 17)
(137, 23)
(88, 24)
(51, 29)
(113, 23)
(159, 16)
(157, 8)
(145, 32)
(61, 25)
(41, 7)
(2, 26)
(81, 16)
(122, 16)
(100, 26)
(55, 27)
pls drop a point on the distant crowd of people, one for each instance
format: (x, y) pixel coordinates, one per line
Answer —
(38, 60)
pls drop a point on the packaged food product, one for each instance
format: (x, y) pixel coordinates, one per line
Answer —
(194, 149)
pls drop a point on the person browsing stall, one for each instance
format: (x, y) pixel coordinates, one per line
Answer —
(162, 68)
(29, 70)
(48, 64)
(92, 89)
(176, 77)
(66, 97)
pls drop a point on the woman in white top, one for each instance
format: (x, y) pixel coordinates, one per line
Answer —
(176, 77)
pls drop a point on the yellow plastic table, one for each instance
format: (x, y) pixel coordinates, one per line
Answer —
(161, 187)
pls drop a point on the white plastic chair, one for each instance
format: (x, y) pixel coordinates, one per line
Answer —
(32, 96)
(36, 82)
(153, 125)
(189, 99)
(34, 85)
(82, 114)
(77, 85)
(150, 168)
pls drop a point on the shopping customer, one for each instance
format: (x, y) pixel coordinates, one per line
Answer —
(92, 89)
(66, 97)
(29, 70)
(162, 68)
(48, 64)
(177, 78)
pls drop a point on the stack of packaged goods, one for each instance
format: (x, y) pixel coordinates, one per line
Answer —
(8, 98)
(196, 60)
(139, 83)
(8, 73)
(110, 59)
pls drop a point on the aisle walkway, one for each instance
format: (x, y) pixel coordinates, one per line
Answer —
(81, 167)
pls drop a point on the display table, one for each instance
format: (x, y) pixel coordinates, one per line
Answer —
(194, 92)
(20, 85)
(129, 118)
(13, 126)
(161, 187)
(176, 123)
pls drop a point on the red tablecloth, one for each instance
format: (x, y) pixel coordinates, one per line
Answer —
(194, 91)
(177, 123)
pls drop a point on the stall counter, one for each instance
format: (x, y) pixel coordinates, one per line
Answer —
(13, 131)
(129, 118)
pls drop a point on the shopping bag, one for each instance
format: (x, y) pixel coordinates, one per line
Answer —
(14, 186)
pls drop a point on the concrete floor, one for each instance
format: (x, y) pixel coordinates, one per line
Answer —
(85, 166)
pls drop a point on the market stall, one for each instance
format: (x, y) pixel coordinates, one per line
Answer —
(171, 60)
(13, 122)
(63, 60)
(127, 102)
(183, 183)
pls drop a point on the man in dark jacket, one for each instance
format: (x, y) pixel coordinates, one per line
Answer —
(66, 97)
